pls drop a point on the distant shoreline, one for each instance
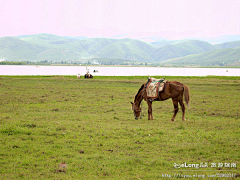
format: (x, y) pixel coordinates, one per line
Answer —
(119, 66)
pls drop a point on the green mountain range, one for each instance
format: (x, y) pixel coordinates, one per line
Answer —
(117, 51)
(219, 57)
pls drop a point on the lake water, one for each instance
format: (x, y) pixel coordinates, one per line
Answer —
(116, 71)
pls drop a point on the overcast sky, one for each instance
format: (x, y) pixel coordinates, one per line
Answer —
(172, 19)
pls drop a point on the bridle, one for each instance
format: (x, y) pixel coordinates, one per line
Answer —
(141, 113)
(134, 112)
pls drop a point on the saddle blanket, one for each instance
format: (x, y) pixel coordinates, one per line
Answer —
(154, 87)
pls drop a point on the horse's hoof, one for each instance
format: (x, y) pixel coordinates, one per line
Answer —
(184, 119)
(172, 119)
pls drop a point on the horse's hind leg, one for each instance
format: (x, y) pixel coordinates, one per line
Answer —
(183, 109)
(175, 104)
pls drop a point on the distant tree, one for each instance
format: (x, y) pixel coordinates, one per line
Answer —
(11, 63)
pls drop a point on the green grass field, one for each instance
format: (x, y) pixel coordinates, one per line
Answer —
(89, 125)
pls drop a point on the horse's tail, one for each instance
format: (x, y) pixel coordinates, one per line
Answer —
(187, 95)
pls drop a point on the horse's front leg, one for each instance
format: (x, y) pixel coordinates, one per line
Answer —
(150, 116)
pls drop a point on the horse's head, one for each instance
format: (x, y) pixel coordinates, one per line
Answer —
(136, 110)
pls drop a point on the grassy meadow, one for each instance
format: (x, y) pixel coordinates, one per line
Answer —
(89, 125)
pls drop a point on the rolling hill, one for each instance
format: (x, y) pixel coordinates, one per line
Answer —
(219, 57)
(16, 49)
(62, 48)
(127, 49)
(47, 40)
(181, 48)
(234, 44)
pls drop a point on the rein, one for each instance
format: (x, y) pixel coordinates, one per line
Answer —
(141, 113)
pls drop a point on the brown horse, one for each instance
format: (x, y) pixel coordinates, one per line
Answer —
(86, 76)
(172, 89)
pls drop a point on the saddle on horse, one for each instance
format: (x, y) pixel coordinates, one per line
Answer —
(154, 86)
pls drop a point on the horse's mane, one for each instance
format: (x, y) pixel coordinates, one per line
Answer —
(138, 92)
